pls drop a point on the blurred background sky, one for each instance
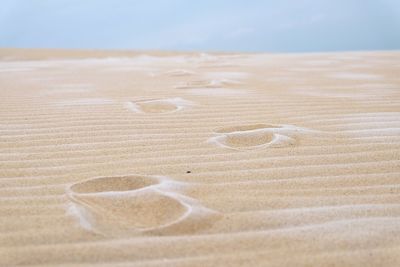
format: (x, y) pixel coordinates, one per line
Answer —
(206, 25)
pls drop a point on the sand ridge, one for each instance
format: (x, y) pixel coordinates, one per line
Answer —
(196, 159)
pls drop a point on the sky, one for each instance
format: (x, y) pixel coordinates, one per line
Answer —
(202, 25)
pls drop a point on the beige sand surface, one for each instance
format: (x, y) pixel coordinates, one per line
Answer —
(168, 159)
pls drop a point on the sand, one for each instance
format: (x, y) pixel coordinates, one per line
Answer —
(193, 159)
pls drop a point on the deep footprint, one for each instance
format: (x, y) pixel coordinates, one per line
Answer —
(253, 136)
(117, 206)
(167, 105)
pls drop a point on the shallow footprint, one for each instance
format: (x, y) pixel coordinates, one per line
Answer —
(253, 136)
(245, 128)
(208, 83)
(179, 73)
(135, 204)
(166, 105)
(196, 84)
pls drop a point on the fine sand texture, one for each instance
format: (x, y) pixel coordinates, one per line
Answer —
(193, 159)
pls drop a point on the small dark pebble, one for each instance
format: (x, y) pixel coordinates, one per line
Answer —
(188, 172)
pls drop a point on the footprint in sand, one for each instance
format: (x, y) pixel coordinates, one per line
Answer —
(213, 83)
(179, 73)
(254, 136)
(136, 204)
(166, 105)
(196, 84)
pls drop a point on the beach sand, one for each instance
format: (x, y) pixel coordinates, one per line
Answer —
(194, 159)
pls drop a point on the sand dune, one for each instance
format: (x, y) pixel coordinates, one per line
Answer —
(168, 159)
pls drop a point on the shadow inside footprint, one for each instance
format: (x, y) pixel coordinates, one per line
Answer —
(167, 105)
(248, 139)
(255, 136)
(135, 204)
(112, 184)
(157, 106)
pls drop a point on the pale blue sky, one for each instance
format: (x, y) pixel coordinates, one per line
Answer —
(206, 25)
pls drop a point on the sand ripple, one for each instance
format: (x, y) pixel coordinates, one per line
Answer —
(186, 159)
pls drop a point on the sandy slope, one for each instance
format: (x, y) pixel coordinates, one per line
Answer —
(199, 159)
